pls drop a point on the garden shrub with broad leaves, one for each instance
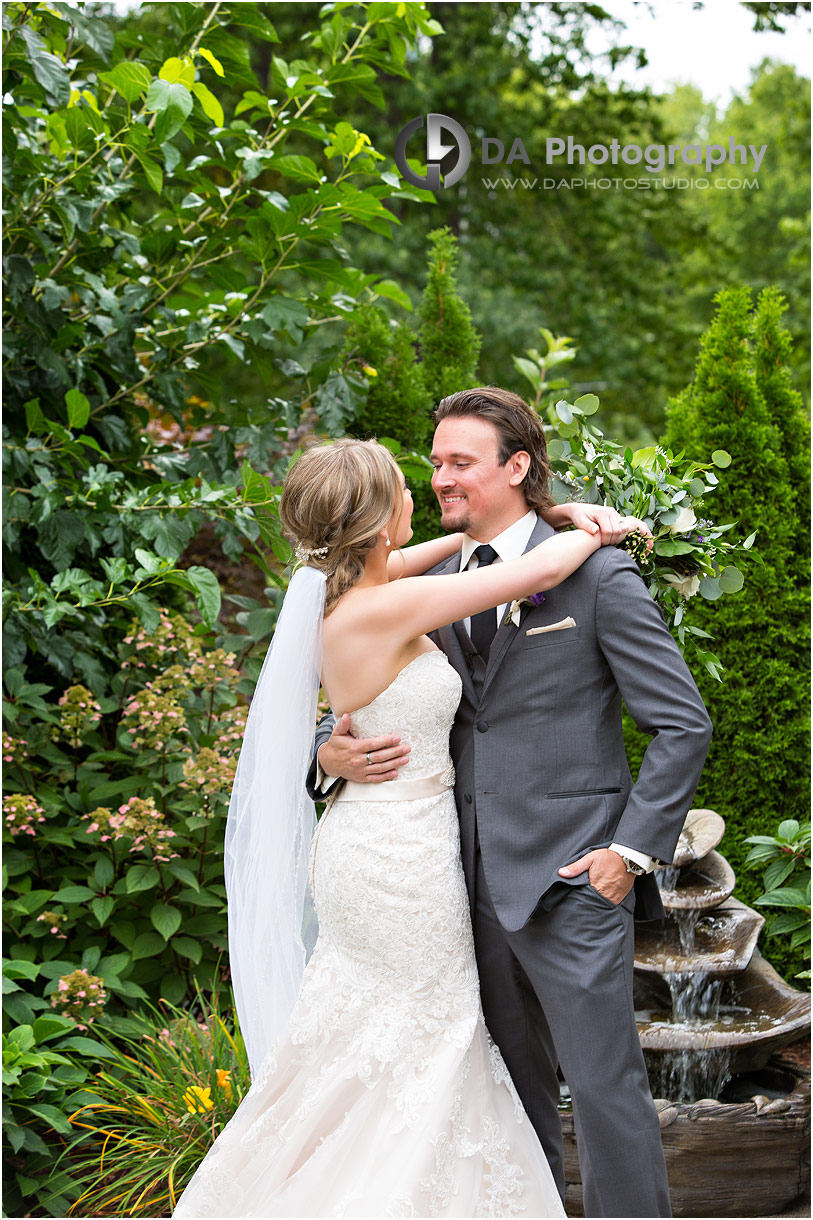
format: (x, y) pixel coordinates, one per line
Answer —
(113, 871)
(172, 234)
(786, 882)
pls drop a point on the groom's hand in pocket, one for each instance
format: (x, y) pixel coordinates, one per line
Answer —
(608, 873)
(366, 760)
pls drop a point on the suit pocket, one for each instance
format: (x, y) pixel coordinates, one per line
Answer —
(547, 639)
(562, 796)
(627, 902)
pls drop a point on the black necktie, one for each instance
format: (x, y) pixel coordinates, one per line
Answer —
(484, 624)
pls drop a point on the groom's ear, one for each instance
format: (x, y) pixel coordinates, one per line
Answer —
(518, 466)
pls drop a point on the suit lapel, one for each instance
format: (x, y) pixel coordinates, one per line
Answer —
(507, 632)
(452, 638)
(449, 640)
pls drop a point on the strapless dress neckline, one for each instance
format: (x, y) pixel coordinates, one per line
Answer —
(434, 652)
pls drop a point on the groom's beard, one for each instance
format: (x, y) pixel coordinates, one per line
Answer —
(455, 522)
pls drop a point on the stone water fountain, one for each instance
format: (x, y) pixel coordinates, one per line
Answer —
(712, 1016)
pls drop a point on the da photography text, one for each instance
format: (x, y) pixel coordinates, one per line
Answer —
(441, 136)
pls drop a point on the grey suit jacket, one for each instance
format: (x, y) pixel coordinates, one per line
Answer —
(542, 775)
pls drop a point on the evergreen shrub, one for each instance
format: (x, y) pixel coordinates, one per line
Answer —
(741, 399)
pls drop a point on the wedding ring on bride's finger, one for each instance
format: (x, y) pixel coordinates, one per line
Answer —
(369, 760)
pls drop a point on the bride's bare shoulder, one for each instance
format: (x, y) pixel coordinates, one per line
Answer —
(354, 611)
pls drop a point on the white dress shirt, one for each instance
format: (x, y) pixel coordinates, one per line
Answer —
(510, 544)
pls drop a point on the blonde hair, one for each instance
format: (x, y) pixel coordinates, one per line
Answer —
(335, 500)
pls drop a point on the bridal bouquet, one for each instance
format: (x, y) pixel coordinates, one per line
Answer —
(692, 555)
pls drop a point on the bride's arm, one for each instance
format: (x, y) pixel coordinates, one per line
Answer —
(593, 518)
(417, 559)
(420, 604)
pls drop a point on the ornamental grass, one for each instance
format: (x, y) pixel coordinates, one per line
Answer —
(169, 1086)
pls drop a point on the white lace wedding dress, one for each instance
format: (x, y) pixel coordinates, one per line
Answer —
(386, 1097)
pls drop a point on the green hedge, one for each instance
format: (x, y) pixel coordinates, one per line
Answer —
(741, 399)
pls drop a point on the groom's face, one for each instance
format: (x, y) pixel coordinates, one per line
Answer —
(476, 494)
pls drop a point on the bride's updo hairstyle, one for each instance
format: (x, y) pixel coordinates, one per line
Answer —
(335, 500)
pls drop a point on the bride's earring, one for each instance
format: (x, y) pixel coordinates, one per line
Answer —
(387, 541)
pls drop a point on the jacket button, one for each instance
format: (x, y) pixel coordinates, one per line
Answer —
(481, 726)
(467, 797)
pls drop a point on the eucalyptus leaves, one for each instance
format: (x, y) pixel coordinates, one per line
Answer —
(691, 554)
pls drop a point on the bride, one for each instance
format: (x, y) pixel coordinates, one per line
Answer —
(376, 1089)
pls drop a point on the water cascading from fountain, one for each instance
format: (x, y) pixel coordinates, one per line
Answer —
(689, 1074)
(686, 1075)
(693, 971)
(713, 1017)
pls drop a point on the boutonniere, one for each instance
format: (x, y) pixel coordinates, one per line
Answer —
(515, 609)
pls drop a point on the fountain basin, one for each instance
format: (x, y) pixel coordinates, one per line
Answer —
(702, 831)
(724, 940)
(706, 883)
(749, 1158)
(759, 1013)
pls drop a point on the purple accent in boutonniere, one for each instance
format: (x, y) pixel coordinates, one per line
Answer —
(536, 599)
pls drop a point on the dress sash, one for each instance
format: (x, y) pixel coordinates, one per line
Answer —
(398, 789)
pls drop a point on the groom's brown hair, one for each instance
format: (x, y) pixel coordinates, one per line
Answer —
(518, 427)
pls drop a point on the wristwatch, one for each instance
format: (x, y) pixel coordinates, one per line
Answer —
(633, 867)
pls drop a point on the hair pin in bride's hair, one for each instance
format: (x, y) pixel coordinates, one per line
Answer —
(304, 553)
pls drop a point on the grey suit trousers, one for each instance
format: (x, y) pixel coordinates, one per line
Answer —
(560, 990)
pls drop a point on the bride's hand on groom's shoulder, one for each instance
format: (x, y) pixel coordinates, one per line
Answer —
(366, 760)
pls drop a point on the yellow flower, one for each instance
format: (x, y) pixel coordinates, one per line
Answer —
(224, 1082)
(369, 370)
(361, 140)
(198, 1100)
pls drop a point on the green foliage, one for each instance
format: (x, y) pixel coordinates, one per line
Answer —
(630, 271)
(786, 881)
(397, 403)
(599, 264)
(169, 1083)
(152, 239)
(175, 225)
(449, 346)
(122, 874)
(535, 367)
(690, 554)
(741, 399)
(40, 1079)
(733, 220)
(401, 392)
(449, 342)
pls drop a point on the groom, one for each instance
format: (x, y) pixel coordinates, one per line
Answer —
(558, 843)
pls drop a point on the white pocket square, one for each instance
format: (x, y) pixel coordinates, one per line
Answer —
(560, 626)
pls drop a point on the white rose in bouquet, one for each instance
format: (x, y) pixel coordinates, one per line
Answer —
(686, 586)
(686, 520)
